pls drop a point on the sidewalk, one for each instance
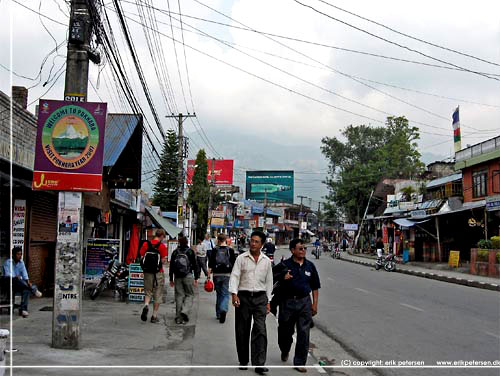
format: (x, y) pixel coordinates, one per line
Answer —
(430, 270)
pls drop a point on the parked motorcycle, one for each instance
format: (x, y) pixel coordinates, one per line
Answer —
(115, 276)
(388, 262)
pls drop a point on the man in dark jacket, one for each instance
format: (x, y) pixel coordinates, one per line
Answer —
(295, 306)
(182, 267)
(220, 264)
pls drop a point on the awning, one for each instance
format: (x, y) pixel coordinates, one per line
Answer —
(164, 223)
(403, 222)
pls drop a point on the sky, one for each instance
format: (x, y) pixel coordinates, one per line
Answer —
(266, 101)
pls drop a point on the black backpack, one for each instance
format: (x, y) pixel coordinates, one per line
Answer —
(151, 261)
(222, 260)
(182, 265)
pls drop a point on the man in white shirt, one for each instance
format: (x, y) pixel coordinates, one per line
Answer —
(251, 286)
(208, 245)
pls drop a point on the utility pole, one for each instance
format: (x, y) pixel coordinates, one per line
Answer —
(66, 314)
(182, 151)
(319, 215)
(301, 215)
(210, 196)
(265, 210)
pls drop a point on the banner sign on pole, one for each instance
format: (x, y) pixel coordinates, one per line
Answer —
(69, 146)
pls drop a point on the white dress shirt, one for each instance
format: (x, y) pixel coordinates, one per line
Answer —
(248, 275)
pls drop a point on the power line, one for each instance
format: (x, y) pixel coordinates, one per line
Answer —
(392, 42)
(409, 36)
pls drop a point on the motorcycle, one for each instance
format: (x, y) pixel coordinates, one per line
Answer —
(115, 276)
(388, 262)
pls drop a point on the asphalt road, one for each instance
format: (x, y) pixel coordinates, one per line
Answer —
(391, 316)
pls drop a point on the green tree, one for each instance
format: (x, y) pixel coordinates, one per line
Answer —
(167, 177)
(199, 194)
(368, 154)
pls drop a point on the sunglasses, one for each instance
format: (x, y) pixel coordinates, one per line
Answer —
(302, 248)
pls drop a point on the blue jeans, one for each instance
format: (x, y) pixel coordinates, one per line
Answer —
(222, 289)
(20, 286)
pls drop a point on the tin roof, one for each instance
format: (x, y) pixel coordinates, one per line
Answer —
(119, 129)
(444, 180)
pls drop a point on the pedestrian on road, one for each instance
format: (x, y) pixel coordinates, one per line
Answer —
(296, 308)
(251, 286)
(16, 270)
(182, 267)
(208, 245)
(220, 265)
(201, 258)
(153, 257)
(379, 245)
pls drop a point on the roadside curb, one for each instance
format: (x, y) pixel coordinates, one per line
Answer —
(436, 276)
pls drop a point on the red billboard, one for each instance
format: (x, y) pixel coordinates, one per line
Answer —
(69, 146)
(220, 172)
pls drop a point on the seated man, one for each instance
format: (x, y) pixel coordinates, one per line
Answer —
(20, 280)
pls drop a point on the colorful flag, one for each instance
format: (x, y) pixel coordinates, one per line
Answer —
(457, 138)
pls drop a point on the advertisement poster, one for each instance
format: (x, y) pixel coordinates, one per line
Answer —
(99, 252)
(220, 172)
(68, 224)
(135, 284)
(276, 186)
(19, 223)
(69, 146)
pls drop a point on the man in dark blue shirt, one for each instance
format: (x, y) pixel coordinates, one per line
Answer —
(296, 308)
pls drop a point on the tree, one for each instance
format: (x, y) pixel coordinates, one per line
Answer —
(199, 194)
(167, 177)
(367, 155)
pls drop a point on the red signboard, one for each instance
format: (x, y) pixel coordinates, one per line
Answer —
(69, 146)
(223, 172)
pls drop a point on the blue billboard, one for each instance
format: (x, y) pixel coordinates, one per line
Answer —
(275, 186)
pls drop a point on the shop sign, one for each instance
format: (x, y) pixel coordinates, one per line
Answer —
(269, 221)
(454, 258)
(406, 205)
(303, 225)
(127, 197)
(97, 259)
(19, 223)
(418, 213)
(493, 203)
(261, 222)
(69, 146)
(350, 226)
(217, 213)
(135, 283)
(240, 210)
(219, 222)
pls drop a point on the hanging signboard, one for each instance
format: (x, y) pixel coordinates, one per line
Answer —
(69, 146)
(350, 226)
(19, 223)
(493, 203)
(97, 258)
(135, 284)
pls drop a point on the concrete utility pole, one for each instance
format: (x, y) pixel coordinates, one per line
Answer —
(301, 215)
(181, 215)
(69, 254)
(265, 210)
(210, 196)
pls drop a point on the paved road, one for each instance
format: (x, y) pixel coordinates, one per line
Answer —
(380, 315)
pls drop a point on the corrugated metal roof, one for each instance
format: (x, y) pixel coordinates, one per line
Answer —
(444, 180)
(164, 223)
(119, 129)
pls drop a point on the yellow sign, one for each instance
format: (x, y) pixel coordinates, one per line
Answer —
(454, 258)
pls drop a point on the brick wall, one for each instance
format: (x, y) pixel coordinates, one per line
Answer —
(36, 264)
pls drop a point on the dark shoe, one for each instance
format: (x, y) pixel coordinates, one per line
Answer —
(301, 369)
(243, 367)
(312, 324)
(144, 315)
(179, 321)
(184, 317)
(222, 317)
(284, 357)
(154, 320)
(261, 370)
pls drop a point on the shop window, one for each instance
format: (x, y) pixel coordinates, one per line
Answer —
(496, 181)
(480, 183)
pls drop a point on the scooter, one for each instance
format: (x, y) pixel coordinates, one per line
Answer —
(116, 276)
(388, 262)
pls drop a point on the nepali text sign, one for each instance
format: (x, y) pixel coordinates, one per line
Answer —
(98, 255)
(69, 146)
(220, 172)
(276, 186)
(19, 223)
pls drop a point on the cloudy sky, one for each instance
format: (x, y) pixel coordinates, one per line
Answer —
(267, 101)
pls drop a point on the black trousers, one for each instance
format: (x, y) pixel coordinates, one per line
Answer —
(251, 307)
(295, 313)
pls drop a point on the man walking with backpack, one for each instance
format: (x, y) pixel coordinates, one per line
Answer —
(153, 256)
(220, 264)
(182, 266)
